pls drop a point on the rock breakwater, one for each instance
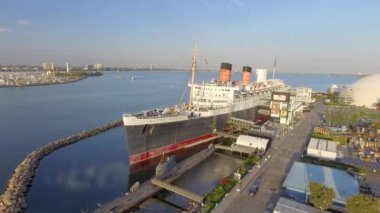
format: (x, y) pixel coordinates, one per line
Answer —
(14, 197)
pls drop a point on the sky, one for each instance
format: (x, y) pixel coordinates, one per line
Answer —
(336, 36)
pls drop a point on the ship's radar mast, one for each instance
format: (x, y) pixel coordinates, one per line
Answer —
(193, 69)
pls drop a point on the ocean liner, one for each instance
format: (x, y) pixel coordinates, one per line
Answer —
(161, 131)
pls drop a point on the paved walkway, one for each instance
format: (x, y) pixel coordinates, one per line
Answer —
(273, 170)
(373, 181)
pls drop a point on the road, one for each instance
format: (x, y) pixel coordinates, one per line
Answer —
(273, 170)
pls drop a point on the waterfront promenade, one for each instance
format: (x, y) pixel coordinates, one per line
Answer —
(273, 169)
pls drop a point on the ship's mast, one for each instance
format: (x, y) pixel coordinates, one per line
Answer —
(193, 69)
(274, 66)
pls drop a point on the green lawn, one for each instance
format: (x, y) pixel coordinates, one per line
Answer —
(347, 116)
(334, 164)
(340, 139)
(333, 103)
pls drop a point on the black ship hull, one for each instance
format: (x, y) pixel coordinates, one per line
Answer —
(144, 138)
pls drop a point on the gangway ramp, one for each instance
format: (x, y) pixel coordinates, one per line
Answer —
(236, 148)
(261, 133)
(226, 135)
(241, 123)
(180, 191)
(250, 126)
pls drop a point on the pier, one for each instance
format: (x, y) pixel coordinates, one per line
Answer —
(147, 189)
(183, 192)
(14, 197)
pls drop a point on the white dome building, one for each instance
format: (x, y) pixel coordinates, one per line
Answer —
(366, 91)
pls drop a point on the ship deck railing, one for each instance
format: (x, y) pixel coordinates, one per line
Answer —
(156, 116)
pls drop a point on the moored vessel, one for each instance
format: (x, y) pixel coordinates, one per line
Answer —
(162, 131)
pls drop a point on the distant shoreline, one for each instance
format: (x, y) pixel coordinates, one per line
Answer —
(115, 69)
(43, 84)
(269, 71)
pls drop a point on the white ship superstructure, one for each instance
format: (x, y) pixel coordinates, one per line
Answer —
(214, 98)
(211, 98)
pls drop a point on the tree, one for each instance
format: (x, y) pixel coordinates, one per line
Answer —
(321, 196)
(362, 203)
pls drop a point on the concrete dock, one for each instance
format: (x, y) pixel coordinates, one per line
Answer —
(147, 190)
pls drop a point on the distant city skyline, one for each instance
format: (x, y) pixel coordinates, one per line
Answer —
(339, 36)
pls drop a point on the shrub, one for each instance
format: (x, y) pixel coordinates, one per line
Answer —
(321, 196)
(362, 203)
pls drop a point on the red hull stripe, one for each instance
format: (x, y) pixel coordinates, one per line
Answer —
(169, 148)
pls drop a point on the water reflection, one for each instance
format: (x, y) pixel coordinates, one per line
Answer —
(204, 177)
(154, 205)
(100, 177)
(92, 171)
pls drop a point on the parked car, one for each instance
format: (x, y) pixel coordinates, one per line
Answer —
(254, 187)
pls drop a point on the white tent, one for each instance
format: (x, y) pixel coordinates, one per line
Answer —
(322, 149)
(252, 142)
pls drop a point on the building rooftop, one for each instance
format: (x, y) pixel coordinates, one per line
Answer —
(321, 144)
(289, 206)
(251, 141)
(344, 185)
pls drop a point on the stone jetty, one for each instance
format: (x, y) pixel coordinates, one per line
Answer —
(14, 197)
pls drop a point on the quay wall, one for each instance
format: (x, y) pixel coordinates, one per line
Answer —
(14, 197)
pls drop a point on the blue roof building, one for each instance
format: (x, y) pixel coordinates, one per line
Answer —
(297, 181)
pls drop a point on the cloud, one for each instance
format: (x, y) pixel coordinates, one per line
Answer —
(23, 22)
(4, 30)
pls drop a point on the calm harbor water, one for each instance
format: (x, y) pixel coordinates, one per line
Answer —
(206, 175)
(96, 169)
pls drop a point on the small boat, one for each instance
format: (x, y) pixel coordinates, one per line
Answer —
(133, 78)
